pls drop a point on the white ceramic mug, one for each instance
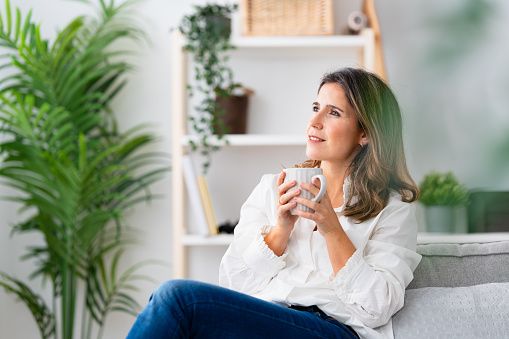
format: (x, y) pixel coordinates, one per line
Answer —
(307, 175)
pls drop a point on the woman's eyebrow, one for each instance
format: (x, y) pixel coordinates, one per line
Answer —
(335, 107)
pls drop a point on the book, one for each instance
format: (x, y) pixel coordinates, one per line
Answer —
(200, 225)
(207, 205)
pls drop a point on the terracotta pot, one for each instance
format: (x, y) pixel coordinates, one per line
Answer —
(235, 113)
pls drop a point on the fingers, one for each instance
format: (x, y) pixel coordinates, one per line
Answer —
(317, 206)
(281, 178)
(285, 195)
(313, 189)
(305, 215)
(286, 207)
(283, 186)
(319, 214)
(308, 203)
(288, 197)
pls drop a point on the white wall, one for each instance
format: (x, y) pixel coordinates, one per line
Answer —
(454, 120)
(457, 114)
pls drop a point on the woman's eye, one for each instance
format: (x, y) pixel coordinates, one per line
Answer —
(315, 109)
(335, 113)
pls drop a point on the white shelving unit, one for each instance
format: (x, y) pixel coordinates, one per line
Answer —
(364, 44)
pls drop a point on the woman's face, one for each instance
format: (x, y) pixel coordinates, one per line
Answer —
(333, 132)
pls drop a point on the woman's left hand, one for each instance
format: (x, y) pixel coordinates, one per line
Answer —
(339, 246)
(324, 216)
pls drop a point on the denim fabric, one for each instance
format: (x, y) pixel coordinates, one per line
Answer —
(319, 313)
(192, 309)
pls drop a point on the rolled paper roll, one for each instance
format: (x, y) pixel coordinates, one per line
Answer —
(357, 21)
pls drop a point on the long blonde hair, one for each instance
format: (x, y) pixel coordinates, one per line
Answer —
(380, 166)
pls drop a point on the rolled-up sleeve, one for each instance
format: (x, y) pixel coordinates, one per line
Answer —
(249, 264)
(373, 281)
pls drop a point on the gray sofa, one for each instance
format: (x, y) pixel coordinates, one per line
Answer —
(458, 291)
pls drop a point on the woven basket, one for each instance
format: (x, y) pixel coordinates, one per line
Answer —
(287, 17)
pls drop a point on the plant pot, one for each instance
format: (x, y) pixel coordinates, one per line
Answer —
(234, 113)
(440, 219)
(446, 219)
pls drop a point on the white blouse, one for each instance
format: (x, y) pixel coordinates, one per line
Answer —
(364, 294)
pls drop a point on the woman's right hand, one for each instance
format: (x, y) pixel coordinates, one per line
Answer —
(285, 219)
(280, 233)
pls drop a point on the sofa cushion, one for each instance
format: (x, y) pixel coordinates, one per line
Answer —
(451, 265)
(480, 311)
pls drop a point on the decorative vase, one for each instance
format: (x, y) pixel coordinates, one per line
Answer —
(440, 219)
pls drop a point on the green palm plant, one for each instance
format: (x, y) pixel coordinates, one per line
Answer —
(74, 173)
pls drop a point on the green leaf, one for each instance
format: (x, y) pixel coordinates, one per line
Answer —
(439, 188)
(43, 316)
(8, 16)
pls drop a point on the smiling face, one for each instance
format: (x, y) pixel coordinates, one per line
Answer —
(334, 134)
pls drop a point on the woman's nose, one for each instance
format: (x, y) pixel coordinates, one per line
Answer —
(316, 120)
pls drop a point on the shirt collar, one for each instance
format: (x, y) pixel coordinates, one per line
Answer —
(346, 193)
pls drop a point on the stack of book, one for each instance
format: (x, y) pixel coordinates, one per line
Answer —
(200, 201)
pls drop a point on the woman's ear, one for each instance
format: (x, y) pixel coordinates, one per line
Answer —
(364, 140)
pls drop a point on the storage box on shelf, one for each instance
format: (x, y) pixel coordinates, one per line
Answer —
(287, 17)
(363, 43)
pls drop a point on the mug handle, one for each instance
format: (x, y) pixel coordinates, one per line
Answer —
(323, 187)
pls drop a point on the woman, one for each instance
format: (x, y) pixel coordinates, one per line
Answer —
(340, 272)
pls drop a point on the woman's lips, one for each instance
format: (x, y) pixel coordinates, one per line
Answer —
(313, 138)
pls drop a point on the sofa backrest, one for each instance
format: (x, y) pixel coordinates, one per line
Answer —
(453, 265)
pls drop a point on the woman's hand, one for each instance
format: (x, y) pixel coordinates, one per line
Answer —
(324, 216)
(339, 246)
(285, 219)
(278, 236)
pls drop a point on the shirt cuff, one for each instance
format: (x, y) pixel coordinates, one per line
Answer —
(261, 259)
(355, 276)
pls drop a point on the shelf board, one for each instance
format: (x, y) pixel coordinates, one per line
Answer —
(328, 41)
(251, 140)
(340, 41)
(422, 238)
(200, 240)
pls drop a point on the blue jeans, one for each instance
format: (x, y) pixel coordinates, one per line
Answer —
(192, 309)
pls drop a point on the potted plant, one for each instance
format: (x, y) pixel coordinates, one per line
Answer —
(73, 173)
(442, 194)
(222, 109)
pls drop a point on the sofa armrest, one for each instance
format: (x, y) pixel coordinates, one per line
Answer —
(452, 265)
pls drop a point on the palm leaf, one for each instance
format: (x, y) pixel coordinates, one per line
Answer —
(43, 316)
(107, 293)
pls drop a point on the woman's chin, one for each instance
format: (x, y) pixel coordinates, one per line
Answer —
(313, 155)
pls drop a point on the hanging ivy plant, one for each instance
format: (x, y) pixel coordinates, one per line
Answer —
(207, 32)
